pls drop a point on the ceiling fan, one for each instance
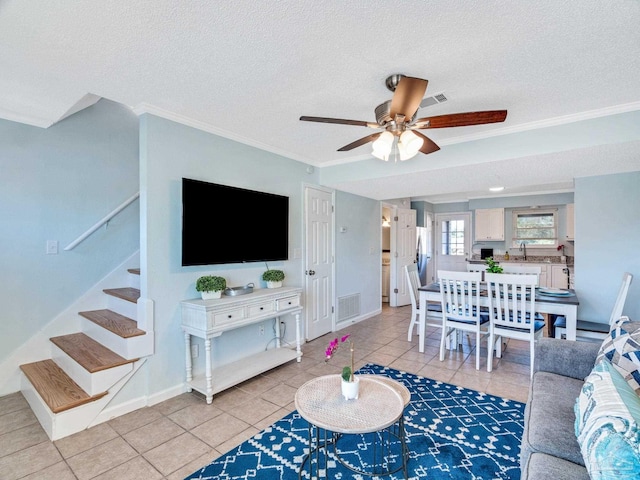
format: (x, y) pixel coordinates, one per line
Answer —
(396, 120)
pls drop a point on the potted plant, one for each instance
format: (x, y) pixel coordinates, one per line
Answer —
(273, 278)
(492, 266)
(210, 286)
(350, 382)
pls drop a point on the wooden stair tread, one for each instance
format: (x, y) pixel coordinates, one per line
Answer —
(114, 322)
(135, 271)
(93, 356)
(129, 294)
(55, 387)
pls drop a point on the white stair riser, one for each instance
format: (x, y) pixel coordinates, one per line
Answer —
(74, 420)
(92, 383)
(134, 281)
(129, 348)
(123, 307)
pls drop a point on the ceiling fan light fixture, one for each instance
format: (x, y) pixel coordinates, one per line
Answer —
(409, 145)
(382, 146)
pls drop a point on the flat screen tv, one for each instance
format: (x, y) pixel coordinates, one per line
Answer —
(223, 224)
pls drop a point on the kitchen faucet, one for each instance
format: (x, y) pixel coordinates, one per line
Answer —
(523, 247)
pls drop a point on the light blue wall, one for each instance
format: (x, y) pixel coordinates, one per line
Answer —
(55, 184)
(170, 151)
(607, 232)
(358, 258)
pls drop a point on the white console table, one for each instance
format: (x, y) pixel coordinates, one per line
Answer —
(208, 319)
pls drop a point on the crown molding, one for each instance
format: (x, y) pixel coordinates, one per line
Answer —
(549, 122)
(143, 108)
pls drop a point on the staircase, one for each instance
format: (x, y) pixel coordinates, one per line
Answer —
(86, 369)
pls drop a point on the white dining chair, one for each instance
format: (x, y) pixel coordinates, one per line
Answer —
(512, 311)
(460, 292)
(521, 270)
(587, 330)
(433, 317)
(477, 267)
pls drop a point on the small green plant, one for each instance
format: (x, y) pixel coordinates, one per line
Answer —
(492, 266)
(210, 283)
(273, 276)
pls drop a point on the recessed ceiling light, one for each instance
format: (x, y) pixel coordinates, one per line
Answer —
(496, 189)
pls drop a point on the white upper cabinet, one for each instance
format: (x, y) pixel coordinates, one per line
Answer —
(570, 227)
(489, 224)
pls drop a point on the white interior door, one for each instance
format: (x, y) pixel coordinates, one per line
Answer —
(403, 252)
(318, 262)
(453, 241)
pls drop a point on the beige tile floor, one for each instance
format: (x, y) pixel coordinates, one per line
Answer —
(174, 438)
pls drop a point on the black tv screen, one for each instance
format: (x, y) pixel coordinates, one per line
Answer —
(223, 224)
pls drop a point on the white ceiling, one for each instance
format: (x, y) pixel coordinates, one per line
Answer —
(568, 72)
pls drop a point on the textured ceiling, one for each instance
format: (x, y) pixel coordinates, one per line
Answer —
(248, 70)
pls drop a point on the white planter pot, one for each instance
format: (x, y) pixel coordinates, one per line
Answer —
(350, 390)
(210, 295)
(277, 284)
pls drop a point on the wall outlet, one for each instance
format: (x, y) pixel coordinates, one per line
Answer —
(261, 329)
(194, 351)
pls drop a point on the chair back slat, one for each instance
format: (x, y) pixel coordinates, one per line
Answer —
(460, 293)
(622, 297)
(413, 279)
(512, 300)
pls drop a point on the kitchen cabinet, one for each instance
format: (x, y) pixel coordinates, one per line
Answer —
(489, 224)
(559, 276)
(570, 222)
(543, 280)
(551, 275)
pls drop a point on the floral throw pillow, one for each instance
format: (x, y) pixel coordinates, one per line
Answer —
(622, 349)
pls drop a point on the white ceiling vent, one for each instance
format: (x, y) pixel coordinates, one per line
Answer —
(433, 100)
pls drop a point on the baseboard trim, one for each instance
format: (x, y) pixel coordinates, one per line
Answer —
(137, 403)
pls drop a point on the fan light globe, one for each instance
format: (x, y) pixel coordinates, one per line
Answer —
(409, 145)
(382, 146)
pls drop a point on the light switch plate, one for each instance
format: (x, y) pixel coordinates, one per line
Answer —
(52, 247)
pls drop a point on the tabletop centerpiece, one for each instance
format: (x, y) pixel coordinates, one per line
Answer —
(350, 382)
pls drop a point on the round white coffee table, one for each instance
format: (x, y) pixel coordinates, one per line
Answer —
(380, 405)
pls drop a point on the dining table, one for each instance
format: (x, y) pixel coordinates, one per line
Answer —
(565, 304)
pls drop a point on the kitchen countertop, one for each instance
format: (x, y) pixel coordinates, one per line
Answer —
(547, 260)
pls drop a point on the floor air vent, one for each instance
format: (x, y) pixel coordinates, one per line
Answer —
(348, 306)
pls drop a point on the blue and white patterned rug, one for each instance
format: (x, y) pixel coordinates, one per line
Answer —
(452, 433)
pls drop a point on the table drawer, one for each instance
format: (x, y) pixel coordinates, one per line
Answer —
(229, 316)
(287, 303)
(260, 309)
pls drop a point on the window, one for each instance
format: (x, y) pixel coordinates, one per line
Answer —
(535, 228)
(453, 237)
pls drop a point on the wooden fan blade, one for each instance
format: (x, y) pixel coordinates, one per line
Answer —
(429, 146)
(362, 141)
(341, 121)
(407, 97)
(462, 119)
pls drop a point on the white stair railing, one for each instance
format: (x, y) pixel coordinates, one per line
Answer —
(106, 219)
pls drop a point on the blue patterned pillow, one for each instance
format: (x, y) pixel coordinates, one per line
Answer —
(622, 348)
(608, 425)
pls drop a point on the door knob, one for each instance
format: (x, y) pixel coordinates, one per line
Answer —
(311, 272)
